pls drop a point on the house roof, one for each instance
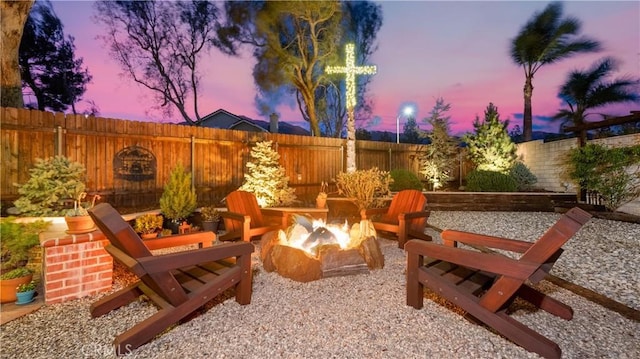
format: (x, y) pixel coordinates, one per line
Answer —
(226, 120)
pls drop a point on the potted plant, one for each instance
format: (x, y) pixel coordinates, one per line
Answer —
(10, 281)
(25, 292)
(148, 225)
(77, 218)
(321, 199)
(178, 198)
(210, 218)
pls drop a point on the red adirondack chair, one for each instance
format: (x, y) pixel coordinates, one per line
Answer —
(178, 283)
(485, 284)
(405, 217)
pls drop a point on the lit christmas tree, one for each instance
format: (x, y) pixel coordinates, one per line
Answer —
(266, 179)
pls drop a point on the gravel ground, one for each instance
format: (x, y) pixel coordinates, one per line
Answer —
(365, 316)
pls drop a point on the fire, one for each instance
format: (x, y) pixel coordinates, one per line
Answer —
(309, 235)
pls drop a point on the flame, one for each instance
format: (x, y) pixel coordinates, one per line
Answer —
(340, 236)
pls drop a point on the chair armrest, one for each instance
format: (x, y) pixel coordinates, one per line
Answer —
(166, 262)
(451, 237)
(204, 238)
(489, 262)
(235, 216)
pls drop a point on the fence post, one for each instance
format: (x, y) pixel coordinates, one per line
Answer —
(193, 161)
(58, 141)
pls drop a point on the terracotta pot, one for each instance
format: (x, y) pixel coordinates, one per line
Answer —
(9, 288)
(80, 224)
(149, 235)
(321, 202)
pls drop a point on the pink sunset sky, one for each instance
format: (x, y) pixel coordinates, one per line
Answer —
(455, 50)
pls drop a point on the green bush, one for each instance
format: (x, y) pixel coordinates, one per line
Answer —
(16, 273)
(18, 239)
(490, 181)
(404, 179)
(523, 176)
(611, 172)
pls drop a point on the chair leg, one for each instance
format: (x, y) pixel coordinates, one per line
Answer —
(501, 322)
(116, 300)
(545, 302)
(415, 289)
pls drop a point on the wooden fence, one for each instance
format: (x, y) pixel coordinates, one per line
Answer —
(216, 157)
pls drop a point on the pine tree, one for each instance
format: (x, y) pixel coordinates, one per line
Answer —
(437, 162)
(266, 179)
(178, 199)
(491, 148)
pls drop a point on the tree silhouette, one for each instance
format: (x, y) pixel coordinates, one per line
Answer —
(47, 62)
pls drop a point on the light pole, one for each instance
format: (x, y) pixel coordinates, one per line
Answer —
(407, 111)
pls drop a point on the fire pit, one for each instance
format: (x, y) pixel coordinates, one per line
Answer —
(311, 250)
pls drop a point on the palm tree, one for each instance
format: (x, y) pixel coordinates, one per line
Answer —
(545, 39)
(586, 90)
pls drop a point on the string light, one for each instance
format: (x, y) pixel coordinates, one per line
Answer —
(351, 70)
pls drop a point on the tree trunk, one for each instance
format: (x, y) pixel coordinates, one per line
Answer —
(13, 17)
(527, 123)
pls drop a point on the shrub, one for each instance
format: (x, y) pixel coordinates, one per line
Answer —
(51, 181)
(404, 179)
(16, 273)
(490, 181)
(366, 186)
(178, 199)
(491, 148)
(612, 172)
(523, 176)
(266, 178)
(18, 239)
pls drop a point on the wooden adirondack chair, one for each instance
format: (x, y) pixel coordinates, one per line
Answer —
(245, 219)
(178, 283)
(405, 217)
(485, 284)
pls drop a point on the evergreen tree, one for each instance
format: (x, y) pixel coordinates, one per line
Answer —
(266, 179)
(411, 131)
(437, 162)
(178, 198)
(47, 61)
(491, 148)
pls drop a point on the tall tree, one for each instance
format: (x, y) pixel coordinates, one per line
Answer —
(440, 155)
(591, 89)
(13, 15)
(411, 132)
(47, 61)
(159, 44)
(300, 38)
(546, 39)
(490, 147)
(292, 47)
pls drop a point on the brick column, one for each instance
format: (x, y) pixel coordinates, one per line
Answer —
(75, 266)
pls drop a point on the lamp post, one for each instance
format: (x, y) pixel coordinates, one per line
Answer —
(407, 111)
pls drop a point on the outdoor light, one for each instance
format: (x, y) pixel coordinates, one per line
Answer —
(407, 111)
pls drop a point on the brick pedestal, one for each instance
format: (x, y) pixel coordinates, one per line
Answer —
(75, 265)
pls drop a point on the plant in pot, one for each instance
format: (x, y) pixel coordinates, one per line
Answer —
(178, 198)
(77, 218)
(210, 218)
(25, 292)
(148, 225)
(18, 240)
(11, 280)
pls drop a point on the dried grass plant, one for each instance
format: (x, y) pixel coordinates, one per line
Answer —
(367, 187)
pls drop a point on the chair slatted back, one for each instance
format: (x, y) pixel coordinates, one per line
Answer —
(244, 203)
(122, 236)
(407, 201)
(545, 251)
